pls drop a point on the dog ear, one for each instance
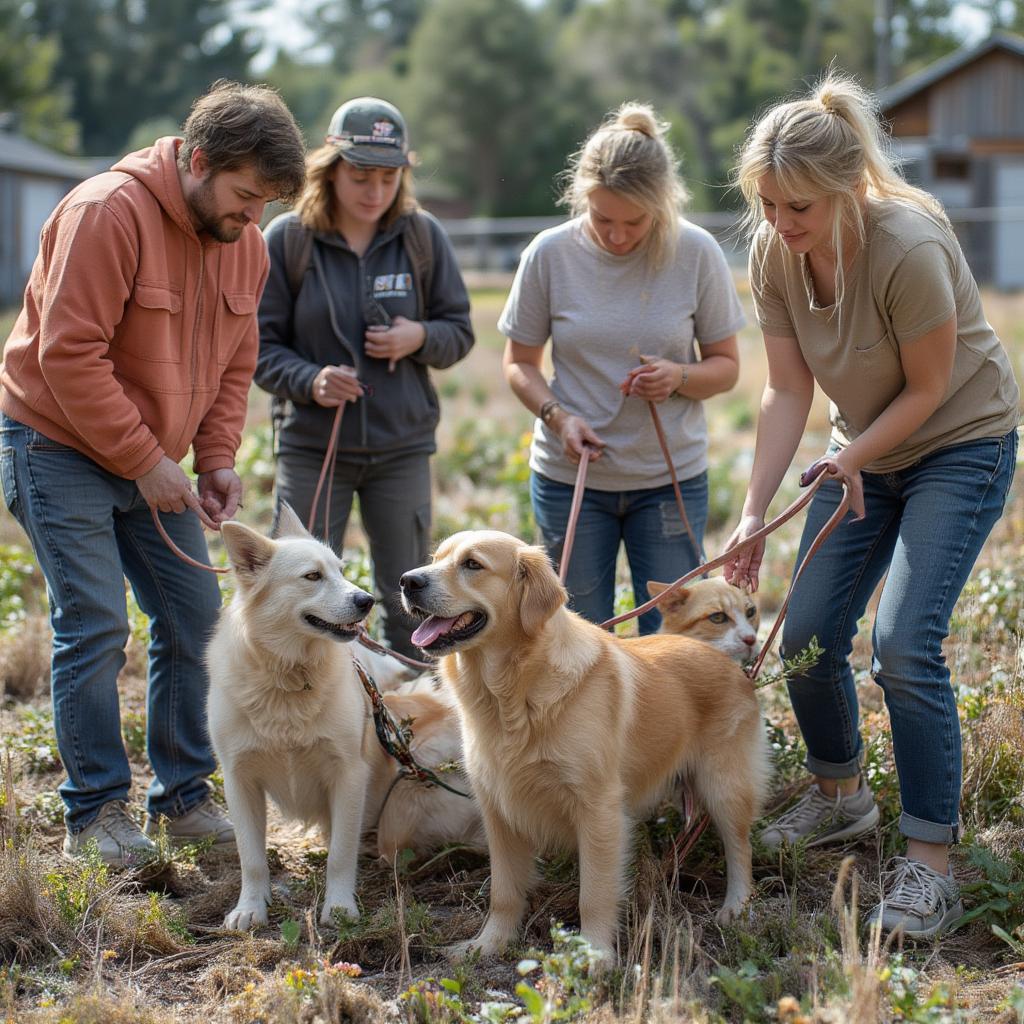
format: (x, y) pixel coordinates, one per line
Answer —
(540, 593)
(676, 598)
(288, 523)
(248, 551)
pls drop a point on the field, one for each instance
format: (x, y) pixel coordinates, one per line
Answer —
(79, 945)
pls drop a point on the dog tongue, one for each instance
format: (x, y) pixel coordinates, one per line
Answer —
(430, 629)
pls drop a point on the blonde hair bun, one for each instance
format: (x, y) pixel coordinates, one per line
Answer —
(638, 117)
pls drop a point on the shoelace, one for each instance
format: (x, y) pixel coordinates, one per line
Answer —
(909, 883)
(119, 825)
(808, 810)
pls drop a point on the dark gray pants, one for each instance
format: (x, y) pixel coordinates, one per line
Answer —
(394, 503)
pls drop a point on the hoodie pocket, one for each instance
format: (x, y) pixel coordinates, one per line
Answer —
(150, 330)
(235, 318)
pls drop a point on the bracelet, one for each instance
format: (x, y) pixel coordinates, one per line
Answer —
(686, 376)
(548, 408)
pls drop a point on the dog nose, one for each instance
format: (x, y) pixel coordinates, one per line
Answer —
(412, 581)
(364, 602)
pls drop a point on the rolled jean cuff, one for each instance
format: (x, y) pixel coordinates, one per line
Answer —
(829, 770)
(928, 831)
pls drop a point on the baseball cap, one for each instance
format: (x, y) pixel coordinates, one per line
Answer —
(370, 132)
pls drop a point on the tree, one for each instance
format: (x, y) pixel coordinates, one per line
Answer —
(27, 88)
(483, 107)
(125, 61)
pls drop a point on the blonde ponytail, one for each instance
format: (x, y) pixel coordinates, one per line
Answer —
(830, 144)
(629, 154)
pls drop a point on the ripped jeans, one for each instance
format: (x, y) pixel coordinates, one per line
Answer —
(646, 521)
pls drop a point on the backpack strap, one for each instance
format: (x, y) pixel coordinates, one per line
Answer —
(419, 246)
(298, 253)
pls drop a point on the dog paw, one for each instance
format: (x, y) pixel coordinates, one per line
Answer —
(731, 911)
(245, 917)
(346, 907)
(461, 950)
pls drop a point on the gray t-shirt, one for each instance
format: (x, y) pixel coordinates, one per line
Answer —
(602, 312)
(909, 278)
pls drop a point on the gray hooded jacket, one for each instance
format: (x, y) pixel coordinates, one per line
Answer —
(324, 324)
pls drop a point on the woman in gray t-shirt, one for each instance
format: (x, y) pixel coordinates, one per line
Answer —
(861, 287)
(627, 292)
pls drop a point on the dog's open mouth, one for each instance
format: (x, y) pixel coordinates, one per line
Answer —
(339, 630)
(435, 633)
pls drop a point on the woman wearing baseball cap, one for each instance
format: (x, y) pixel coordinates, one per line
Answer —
(364, 296)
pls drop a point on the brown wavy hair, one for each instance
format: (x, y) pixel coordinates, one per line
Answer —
(239, 126)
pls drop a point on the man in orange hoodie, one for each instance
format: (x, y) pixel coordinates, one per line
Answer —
(138, 340)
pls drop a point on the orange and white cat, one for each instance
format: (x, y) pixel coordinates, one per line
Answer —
(714, 611)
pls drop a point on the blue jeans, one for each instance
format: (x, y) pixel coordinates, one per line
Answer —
(924, 528)
(647, 521)
(90, 529)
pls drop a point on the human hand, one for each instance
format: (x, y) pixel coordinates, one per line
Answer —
(742, 568)
(654, 380)
(835, 467)
(577, 437)
(336, 384)
(220, 492)
(166, 487)
(392, 343)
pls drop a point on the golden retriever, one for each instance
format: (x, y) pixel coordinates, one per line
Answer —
(570, 733)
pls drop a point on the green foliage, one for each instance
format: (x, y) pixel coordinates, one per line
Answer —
(35, 740)
(742, 988)
(291, 931)
(908, 1001)
(997, 898)
(992, 605)
(795, 666)
(563, 982)
(133, 731)
(29, 72)
(74, 887)
(115, 59)
(17, 569)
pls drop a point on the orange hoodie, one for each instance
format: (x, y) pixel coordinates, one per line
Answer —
(137, 337)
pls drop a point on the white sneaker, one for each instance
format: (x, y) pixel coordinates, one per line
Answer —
(824, 819)
(917, 900)
(202, 822)
(119, 840)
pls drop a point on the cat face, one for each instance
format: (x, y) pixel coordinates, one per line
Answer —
(714, 611)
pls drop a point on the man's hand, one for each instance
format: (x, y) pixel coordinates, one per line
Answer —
(336, 384)
(392, 343)
(220, 492)
(166, 488)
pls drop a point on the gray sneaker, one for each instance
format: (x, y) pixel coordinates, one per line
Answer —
(917, 900)
(201, 823)
(824, 819)
(119, 840)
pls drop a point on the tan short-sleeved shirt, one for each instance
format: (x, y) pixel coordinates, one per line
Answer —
(909, 278)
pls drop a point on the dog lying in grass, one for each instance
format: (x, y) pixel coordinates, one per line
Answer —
(571, 734)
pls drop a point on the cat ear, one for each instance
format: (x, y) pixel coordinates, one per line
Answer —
(676, 598)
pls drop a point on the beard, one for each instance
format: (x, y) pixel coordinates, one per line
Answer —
(203, 204)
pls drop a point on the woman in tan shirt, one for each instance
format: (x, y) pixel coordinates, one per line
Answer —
(860, 285)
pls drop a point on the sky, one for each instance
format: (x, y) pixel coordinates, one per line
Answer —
(282, 22)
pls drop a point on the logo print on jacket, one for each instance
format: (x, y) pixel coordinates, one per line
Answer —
(392, 285)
